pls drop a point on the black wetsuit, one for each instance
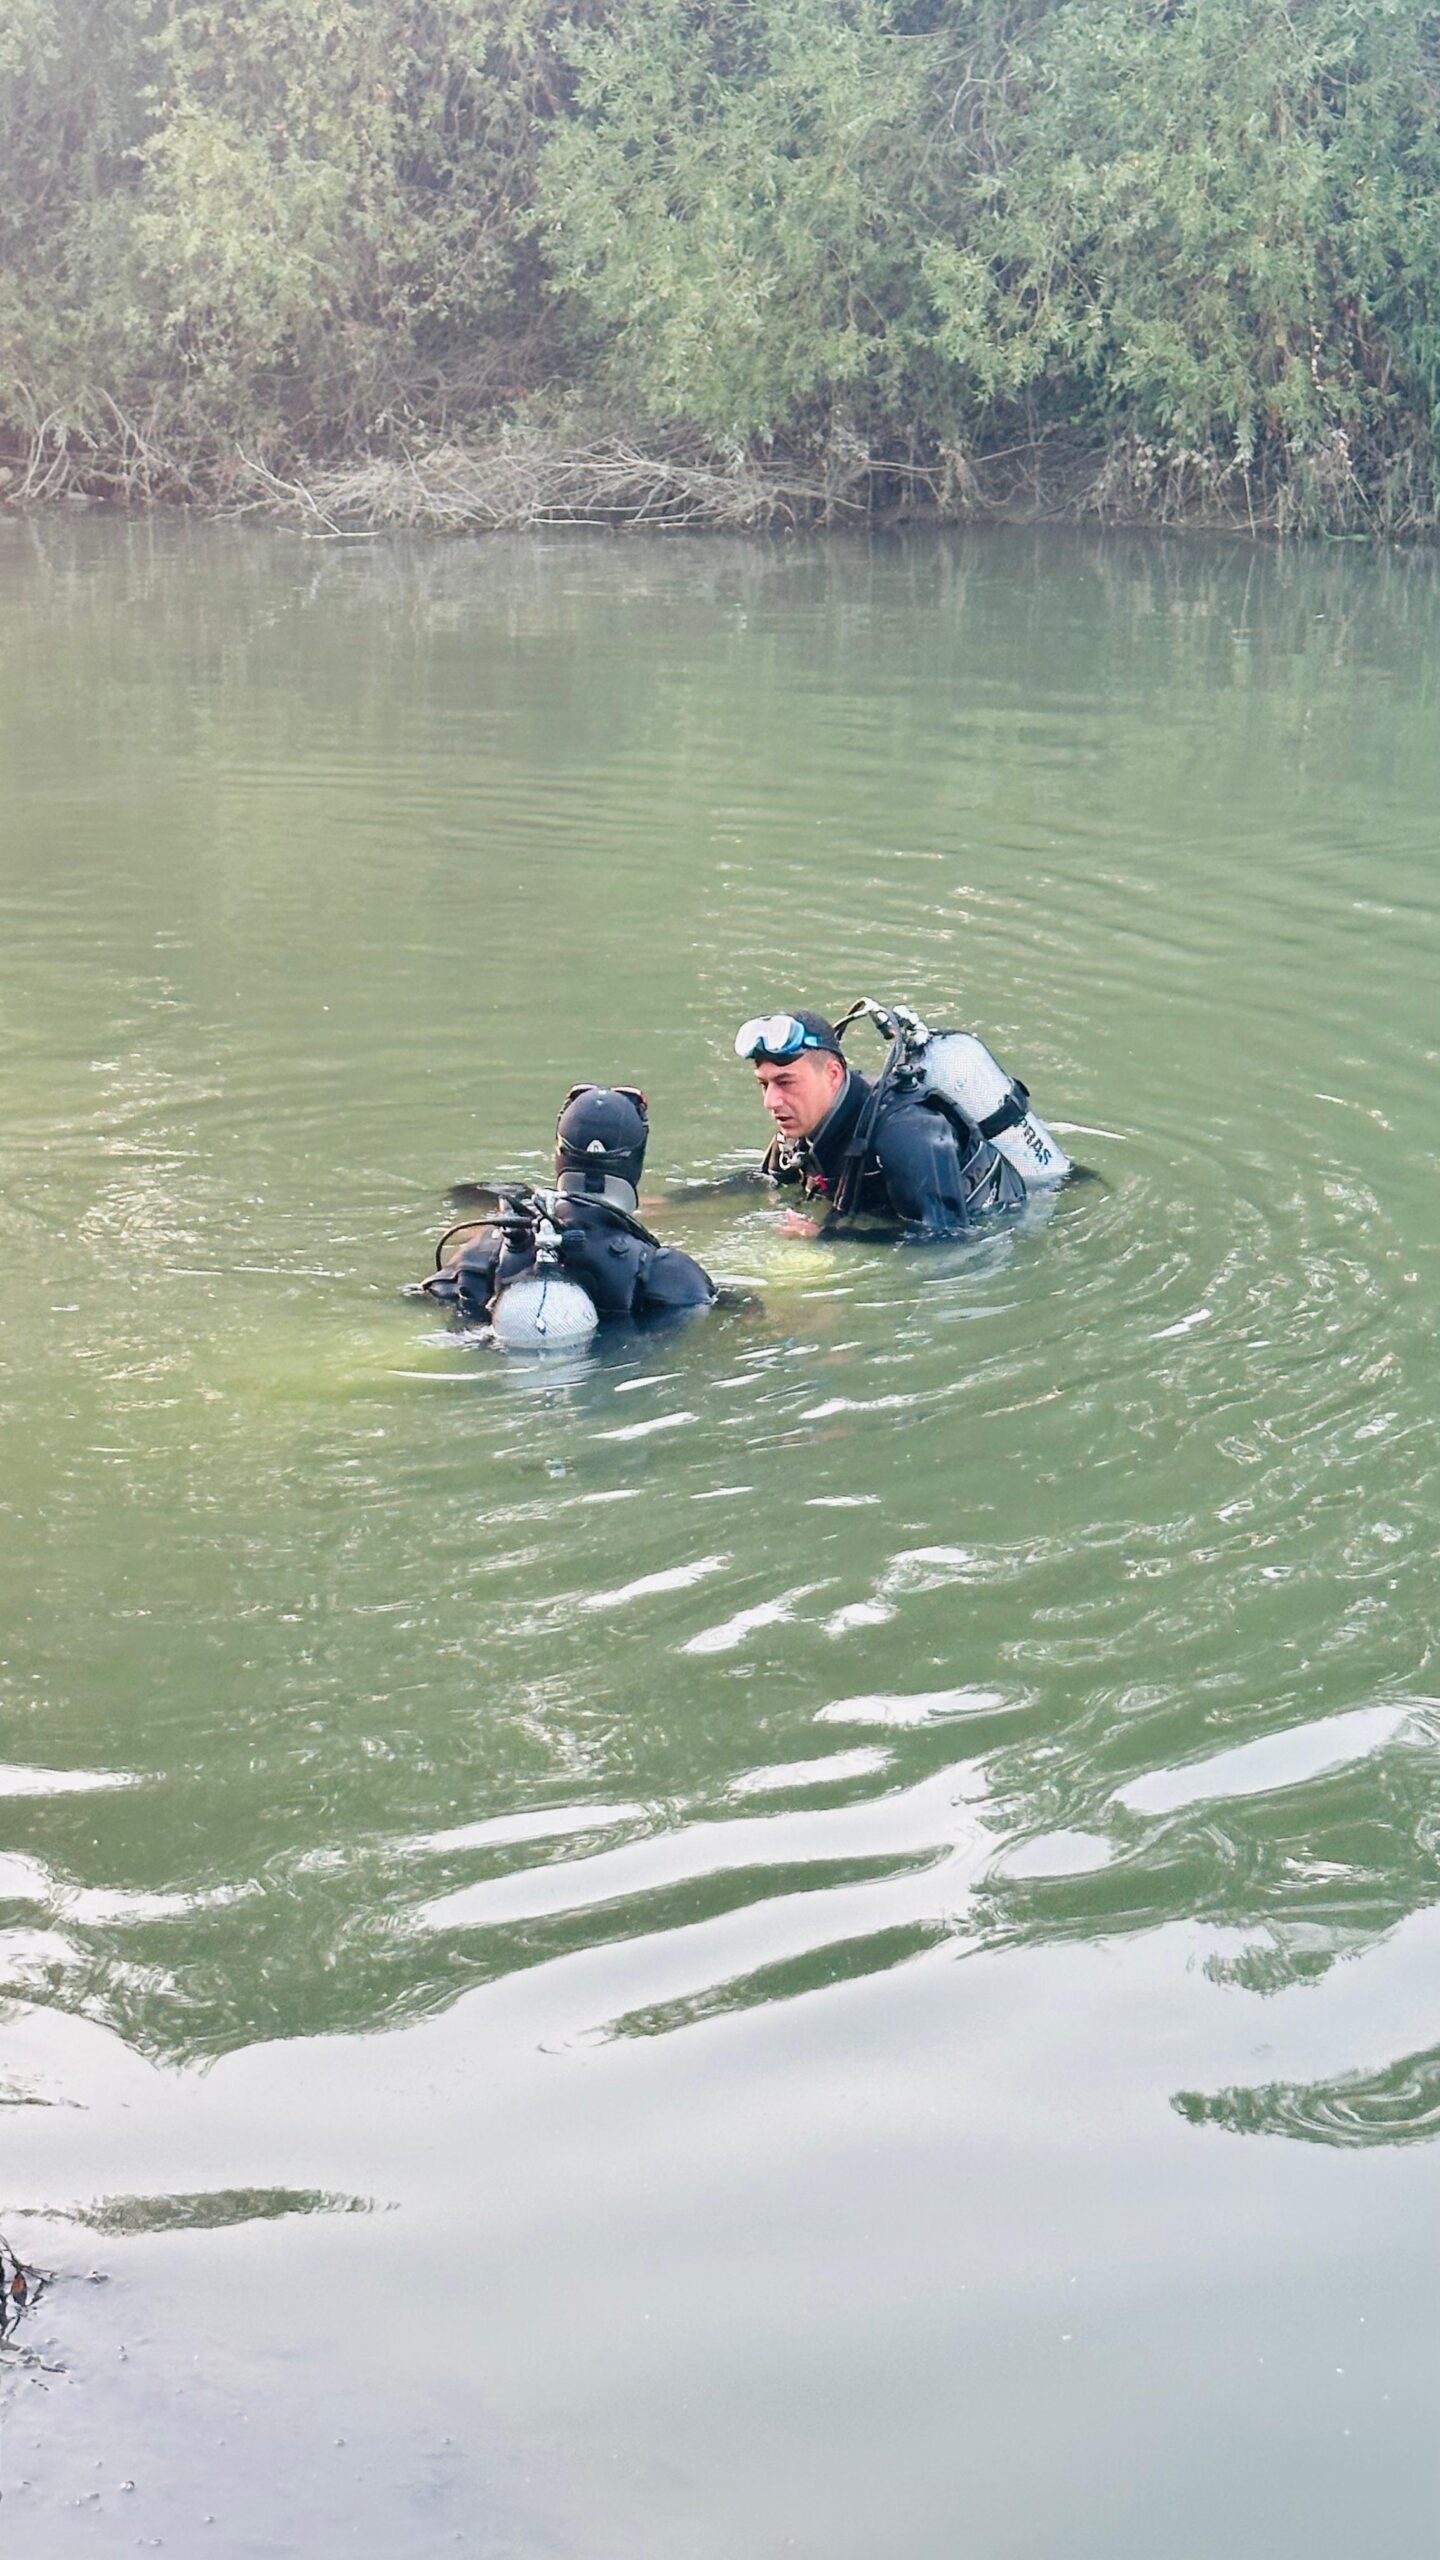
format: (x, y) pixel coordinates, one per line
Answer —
(924, 1175)
(623, 1268)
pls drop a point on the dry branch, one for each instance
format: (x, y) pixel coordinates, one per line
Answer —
(530, 480)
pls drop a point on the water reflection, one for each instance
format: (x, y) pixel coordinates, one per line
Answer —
(1354, 2112)
(216, 2209)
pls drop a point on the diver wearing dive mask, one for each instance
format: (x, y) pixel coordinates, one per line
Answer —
(869, 1155)
(600, 1141)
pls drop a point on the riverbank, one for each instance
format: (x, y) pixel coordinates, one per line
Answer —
(518, 477)
(826, 261)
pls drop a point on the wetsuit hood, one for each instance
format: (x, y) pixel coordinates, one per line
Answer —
(600, 1141)
(613, 1192)
(822, 1154)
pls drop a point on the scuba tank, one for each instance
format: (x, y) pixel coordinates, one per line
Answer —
(958, 1068)
(543, 1308)
(543, 1314)
(544, 1311)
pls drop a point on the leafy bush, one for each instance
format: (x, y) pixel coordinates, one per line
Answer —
(1212, 227)
(732, 205)
(294, 223)
(1188, 248)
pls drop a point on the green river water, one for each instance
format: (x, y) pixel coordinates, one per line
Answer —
(819, 1936)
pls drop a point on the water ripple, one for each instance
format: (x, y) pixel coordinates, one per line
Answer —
(1356, 2112)
(427, 1650)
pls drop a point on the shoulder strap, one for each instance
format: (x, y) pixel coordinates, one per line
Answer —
(1009, 1113)
(852, 1169)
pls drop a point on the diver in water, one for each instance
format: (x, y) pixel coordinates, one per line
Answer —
(586, 1231)
(882, 1156)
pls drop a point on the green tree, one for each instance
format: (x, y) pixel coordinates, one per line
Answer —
(732, 207)
(1210, 224)
(1199, 237)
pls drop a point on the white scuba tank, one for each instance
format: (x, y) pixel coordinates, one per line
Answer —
(961, 1069)
(543, 1313)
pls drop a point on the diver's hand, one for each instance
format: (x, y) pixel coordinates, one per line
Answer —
(793, 1224)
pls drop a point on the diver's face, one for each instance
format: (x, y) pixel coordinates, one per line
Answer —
(798, 1092)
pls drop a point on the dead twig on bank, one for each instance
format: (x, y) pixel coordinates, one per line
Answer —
(524, 482)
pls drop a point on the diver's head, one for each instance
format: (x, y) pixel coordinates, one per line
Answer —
(799, 1066)
(600, 1140)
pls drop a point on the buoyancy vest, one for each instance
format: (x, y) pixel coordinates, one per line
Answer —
(889, 1154)
(624, 1269)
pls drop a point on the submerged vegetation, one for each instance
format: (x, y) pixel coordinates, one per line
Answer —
(509, 261)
